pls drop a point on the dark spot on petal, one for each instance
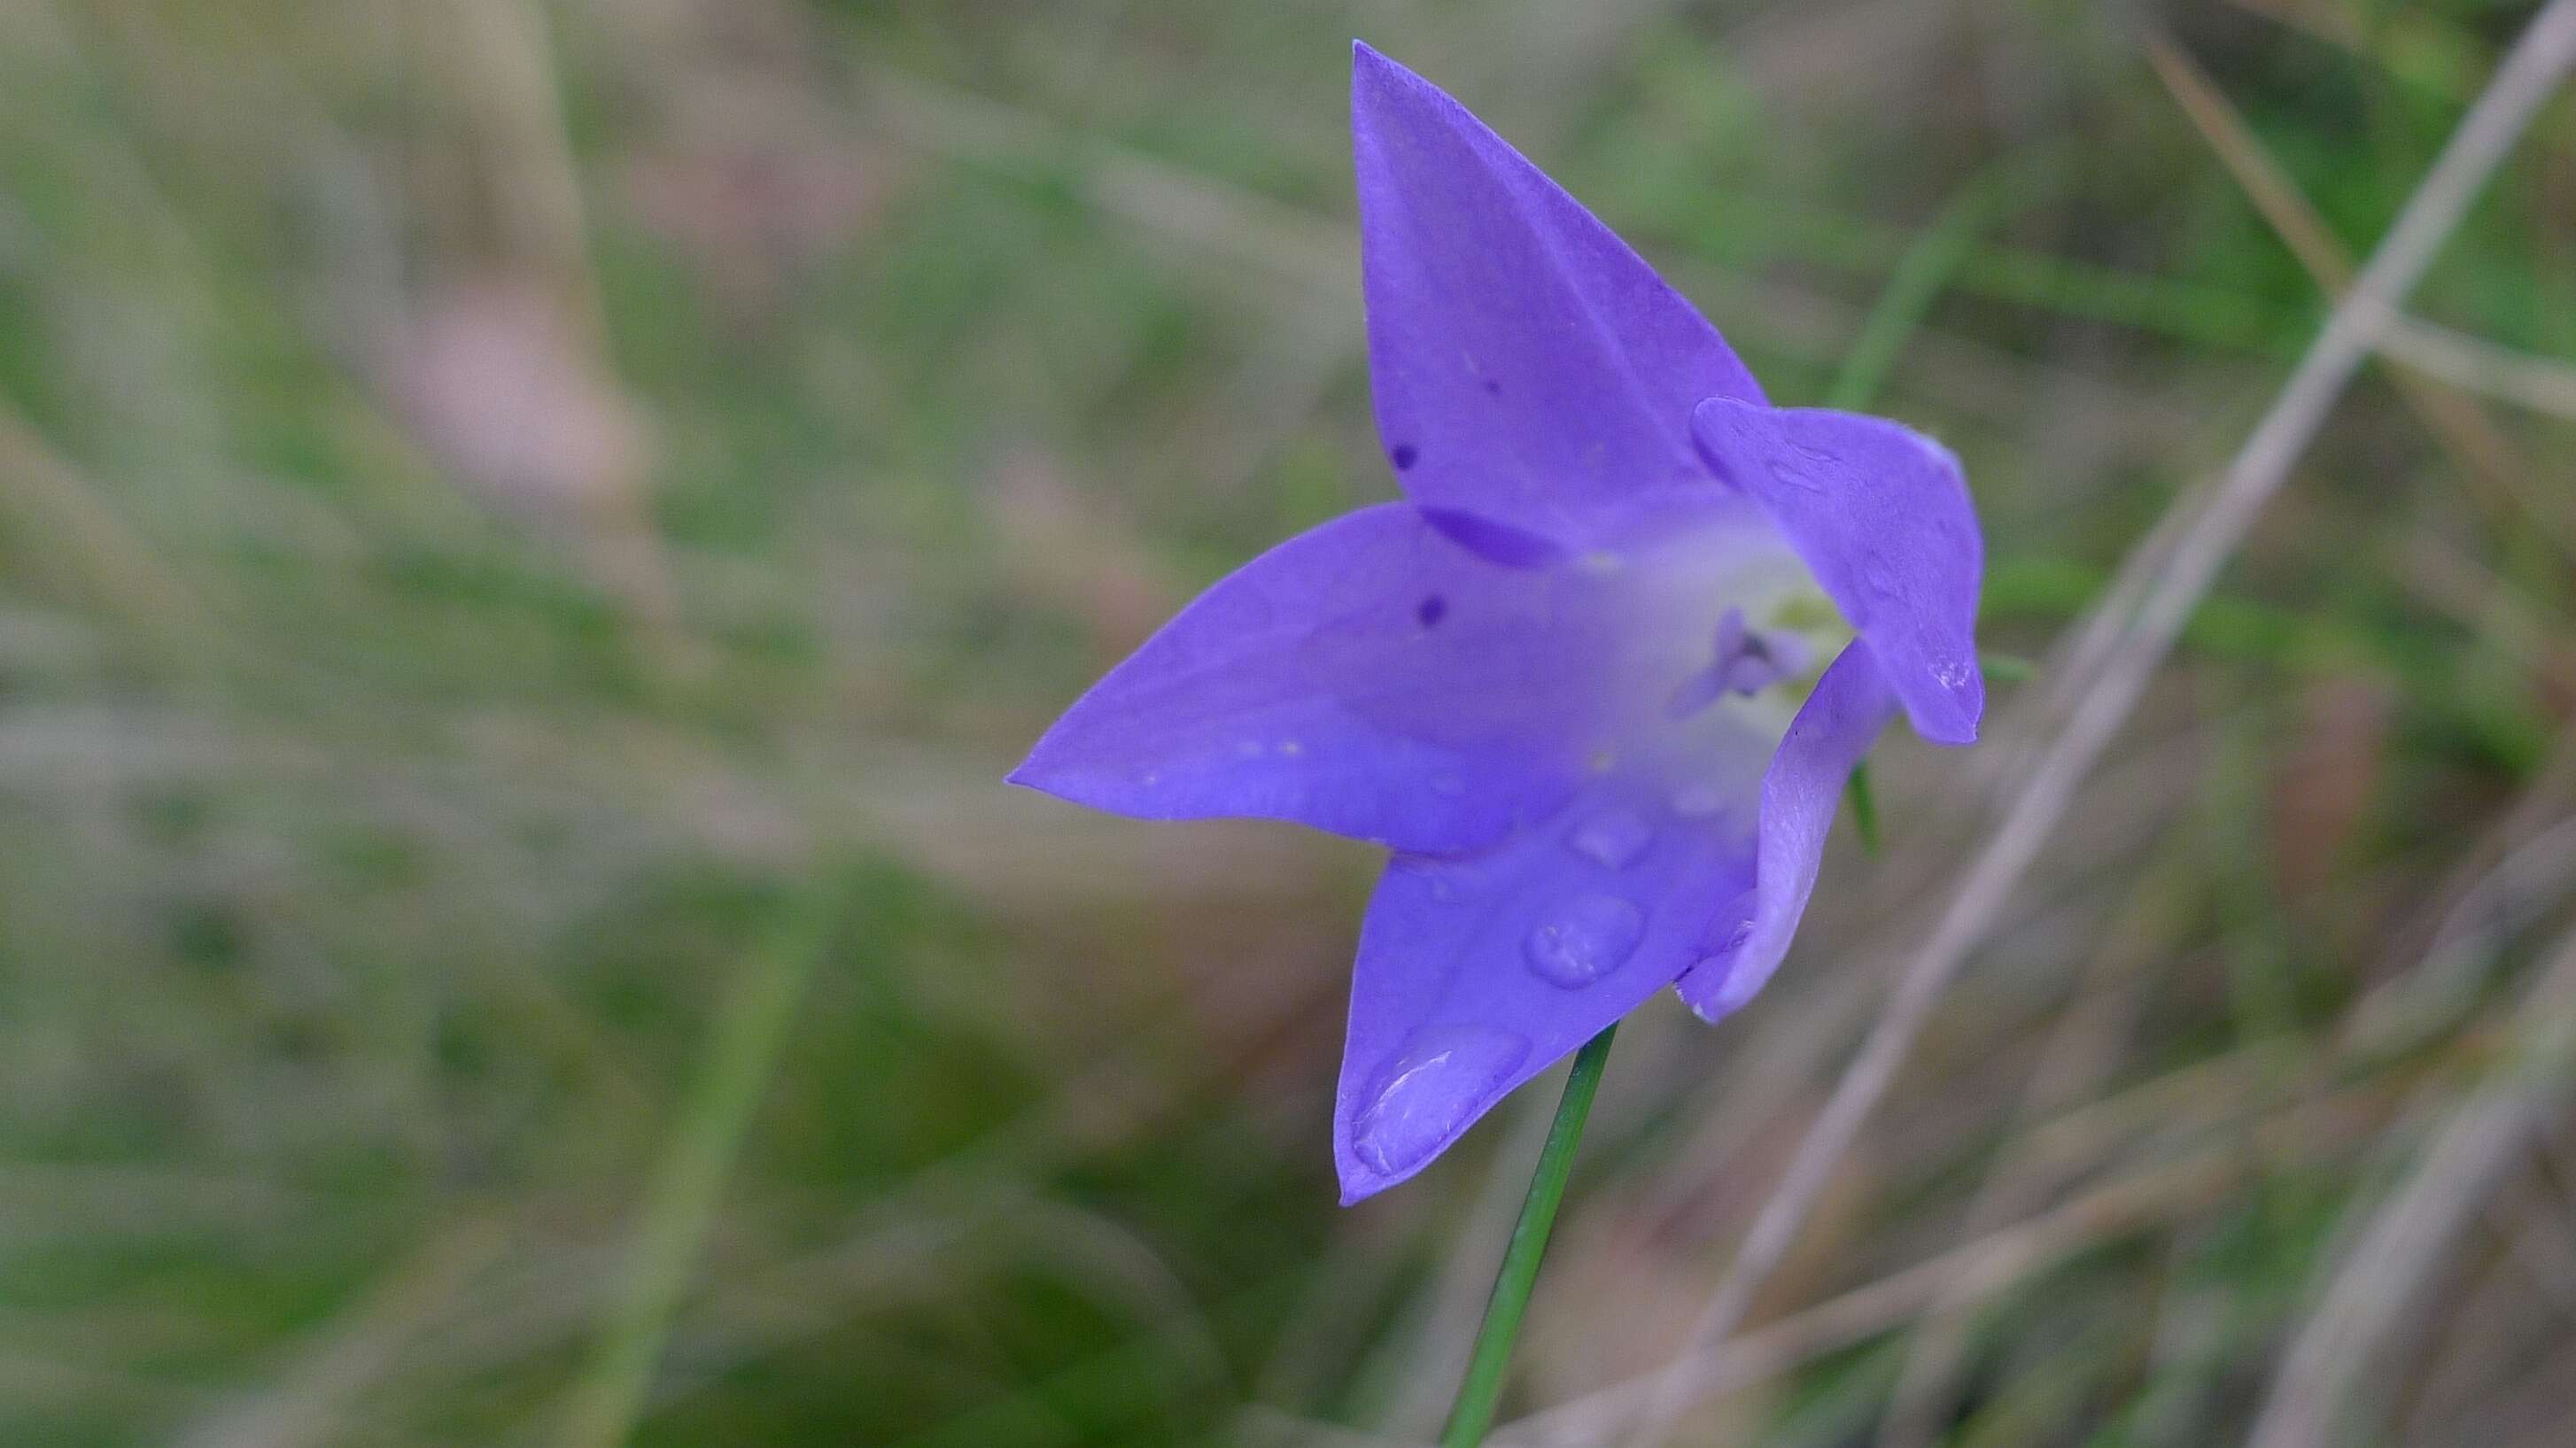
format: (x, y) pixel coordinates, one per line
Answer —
(1493, 388)
(1403, 455)
(1432, 609)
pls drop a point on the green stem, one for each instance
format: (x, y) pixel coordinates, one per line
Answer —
(753, 1022)
(1864, 803)
(1484, 1385)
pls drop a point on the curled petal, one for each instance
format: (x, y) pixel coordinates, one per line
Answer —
(1531, 372)
(1370, 677)
(1478, 972)
(1800, 792)
(1882, 517)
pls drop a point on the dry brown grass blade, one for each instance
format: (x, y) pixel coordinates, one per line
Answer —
(1968, 1273)
(2412, 1232)
(2503, 477)
(2473, 364)
(2079, 1053)
(2529, 76)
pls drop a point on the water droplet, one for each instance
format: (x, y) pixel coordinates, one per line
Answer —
(1613, 840)
(1447, 881)
(1699, 801)
(1584, 941)
(1427, 1093)
(1953, 674)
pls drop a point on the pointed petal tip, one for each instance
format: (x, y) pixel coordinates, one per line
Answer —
(1382, 86)
(1047, 772)
(1033, 771)
(1359, 1181)
(1368, 58)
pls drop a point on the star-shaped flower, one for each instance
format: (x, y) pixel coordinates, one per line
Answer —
(1572, 680)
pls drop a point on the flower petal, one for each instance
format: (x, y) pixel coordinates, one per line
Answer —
(1476, 973)
(1370, 677)
(1530, 370)
(1881, 515)
(1800, 792)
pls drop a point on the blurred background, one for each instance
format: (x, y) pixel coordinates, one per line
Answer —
(531, 529)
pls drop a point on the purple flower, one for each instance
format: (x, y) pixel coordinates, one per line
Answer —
(1572, 679)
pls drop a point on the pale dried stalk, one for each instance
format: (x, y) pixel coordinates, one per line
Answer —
(2542, 384)
(2526, 79)
(1973, 1271)
(2078, 1053)
(2456, 420)
(2412, 1232)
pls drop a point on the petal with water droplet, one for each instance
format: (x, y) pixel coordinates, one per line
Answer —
(1437, 738)
(1613, 838)
(1541, 942)
(1426, 1093)
(1580, 940)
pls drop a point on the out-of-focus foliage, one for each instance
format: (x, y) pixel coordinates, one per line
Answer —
(530, 530)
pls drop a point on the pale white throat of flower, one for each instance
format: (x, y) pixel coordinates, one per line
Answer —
(1725, 633)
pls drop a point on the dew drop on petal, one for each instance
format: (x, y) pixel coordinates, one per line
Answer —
(1440, 1077)
(1583, 940)
(1447, 881)
(1614, 839)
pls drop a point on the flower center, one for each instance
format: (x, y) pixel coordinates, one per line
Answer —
(1723, 637)
(1745, 640)
(1745, 661)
